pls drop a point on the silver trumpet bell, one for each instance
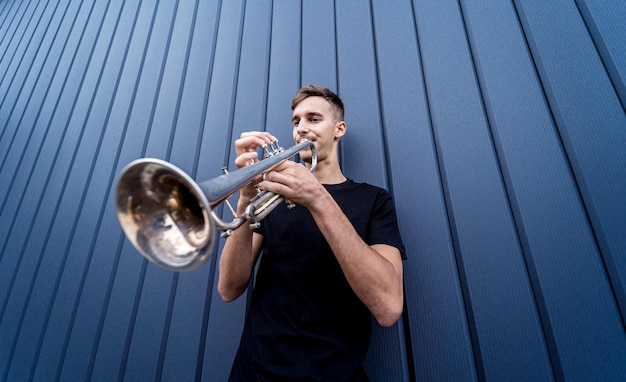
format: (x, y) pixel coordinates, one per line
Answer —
(170, 218)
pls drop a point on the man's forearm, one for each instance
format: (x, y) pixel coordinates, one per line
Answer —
(236, 261)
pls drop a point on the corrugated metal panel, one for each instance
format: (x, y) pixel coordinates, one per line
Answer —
(499, 127)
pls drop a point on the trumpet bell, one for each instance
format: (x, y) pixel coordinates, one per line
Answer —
(165, 215)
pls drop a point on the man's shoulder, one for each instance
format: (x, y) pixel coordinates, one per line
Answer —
(350, 184)
(367, 188)
(359, 194)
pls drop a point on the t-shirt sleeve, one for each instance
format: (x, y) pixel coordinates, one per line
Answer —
(384, 224)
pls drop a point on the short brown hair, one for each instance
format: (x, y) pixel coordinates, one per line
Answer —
(320, 91)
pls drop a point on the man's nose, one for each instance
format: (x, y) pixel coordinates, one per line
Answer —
(302, 128)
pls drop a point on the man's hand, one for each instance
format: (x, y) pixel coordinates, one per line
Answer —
(248, 143)
(246, 149)
(294, 182)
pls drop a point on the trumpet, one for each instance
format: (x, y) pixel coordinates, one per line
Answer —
(170, 219)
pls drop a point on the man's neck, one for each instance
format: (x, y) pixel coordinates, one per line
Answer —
(329, 173)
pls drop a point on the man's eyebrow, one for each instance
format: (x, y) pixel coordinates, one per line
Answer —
(309, 114)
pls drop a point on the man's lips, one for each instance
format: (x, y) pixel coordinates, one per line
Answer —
(311, 139)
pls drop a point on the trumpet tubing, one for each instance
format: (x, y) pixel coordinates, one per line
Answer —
(170, 219)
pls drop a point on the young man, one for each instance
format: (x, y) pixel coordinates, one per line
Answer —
(328, 264)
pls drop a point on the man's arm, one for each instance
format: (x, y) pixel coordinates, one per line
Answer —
(374, 272)
(237, 260)
(242, 248)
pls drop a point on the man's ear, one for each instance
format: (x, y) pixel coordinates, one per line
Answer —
(340, 129)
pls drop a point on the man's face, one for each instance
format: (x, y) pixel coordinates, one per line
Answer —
(314, 120)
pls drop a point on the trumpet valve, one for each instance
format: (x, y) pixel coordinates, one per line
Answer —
(272, 149)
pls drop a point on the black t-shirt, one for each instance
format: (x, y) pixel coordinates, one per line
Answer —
(304, 321)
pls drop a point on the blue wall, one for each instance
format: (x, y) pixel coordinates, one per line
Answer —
(498, 126)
